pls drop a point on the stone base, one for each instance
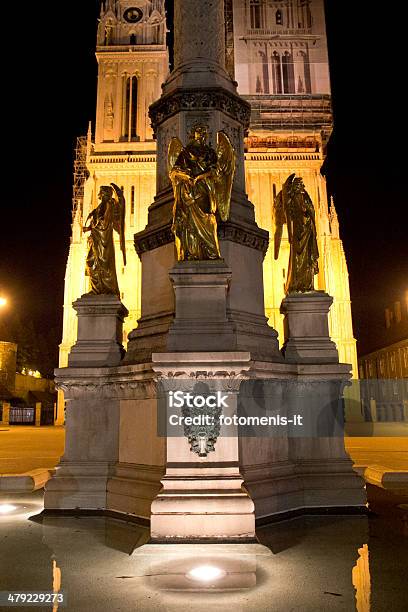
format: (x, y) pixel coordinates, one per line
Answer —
(100, 331)
(114, 459)
(201, 323)
(133, 488)
(149, 337)
(78, 485)
(202, 508)
(207, 317)
(310, 486)
(306, 328)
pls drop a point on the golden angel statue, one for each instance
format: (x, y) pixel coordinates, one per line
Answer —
(109, 215)
(202, 182)
(294, 207)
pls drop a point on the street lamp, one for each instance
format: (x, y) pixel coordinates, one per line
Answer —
(3, 302)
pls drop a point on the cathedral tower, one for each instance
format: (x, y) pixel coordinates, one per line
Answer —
(277, 51)
(132, 64)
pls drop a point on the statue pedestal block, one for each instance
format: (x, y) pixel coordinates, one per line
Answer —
(202, 496)
(201, 323)
(306, 328)
(100, 331)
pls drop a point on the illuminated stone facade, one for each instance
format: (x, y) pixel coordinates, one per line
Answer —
(277, 52)
(133, 63)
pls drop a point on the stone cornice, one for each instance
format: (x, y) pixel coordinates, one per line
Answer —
(201, 100)
(153, 238)
(254, 238)
(133, 50)
(122, 382)
(183, 371)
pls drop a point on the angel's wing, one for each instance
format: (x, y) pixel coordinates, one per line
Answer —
(175, 148)
(279, 207)
(226, 164)
(279, 216)
(119, 219)
(288, 184)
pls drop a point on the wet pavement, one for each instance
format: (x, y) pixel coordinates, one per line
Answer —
(307, 564)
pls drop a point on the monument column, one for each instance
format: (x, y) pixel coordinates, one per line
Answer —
(202, 321)
(199, 90)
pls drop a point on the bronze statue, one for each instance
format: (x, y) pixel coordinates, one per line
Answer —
(202, 182)
(109, 215)
(294, 207)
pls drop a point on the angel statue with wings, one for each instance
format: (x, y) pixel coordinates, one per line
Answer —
(294, 207)
(109, 215)
(202, 182)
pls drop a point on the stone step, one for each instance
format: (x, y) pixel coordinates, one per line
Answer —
(27, 482)
(387, 478)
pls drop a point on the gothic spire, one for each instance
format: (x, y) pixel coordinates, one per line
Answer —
(334, 220)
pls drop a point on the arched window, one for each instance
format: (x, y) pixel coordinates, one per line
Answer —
(256, 14)
(306, 13)
(276, 73)
(288, 73)
(133, 39)
(306, 72)
(129, 116)
(279, 17)
(265, 72)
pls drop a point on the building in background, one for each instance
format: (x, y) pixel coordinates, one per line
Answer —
(384, 370)
(25, 399)
(277, 51)
(389, 357)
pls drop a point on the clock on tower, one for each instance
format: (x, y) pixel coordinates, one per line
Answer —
(133, 14)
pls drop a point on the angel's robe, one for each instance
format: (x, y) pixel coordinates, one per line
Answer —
(304, 251)
(195, 207)
(100, 262)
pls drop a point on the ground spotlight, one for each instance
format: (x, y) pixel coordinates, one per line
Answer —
(7, 508)
(206, 573)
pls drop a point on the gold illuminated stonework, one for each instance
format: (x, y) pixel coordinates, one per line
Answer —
(288, 134)
(108, 216)
(202, 183)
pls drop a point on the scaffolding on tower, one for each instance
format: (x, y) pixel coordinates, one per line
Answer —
(80, 176)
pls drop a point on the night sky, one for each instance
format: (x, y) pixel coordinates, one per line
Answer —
(49, 94)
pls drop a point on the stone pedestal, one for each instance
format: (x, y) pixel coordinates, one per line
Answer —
(306, 327)
(203, 496)
(113, 458)
(201, 322)
(100, 331)
(306, 472)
